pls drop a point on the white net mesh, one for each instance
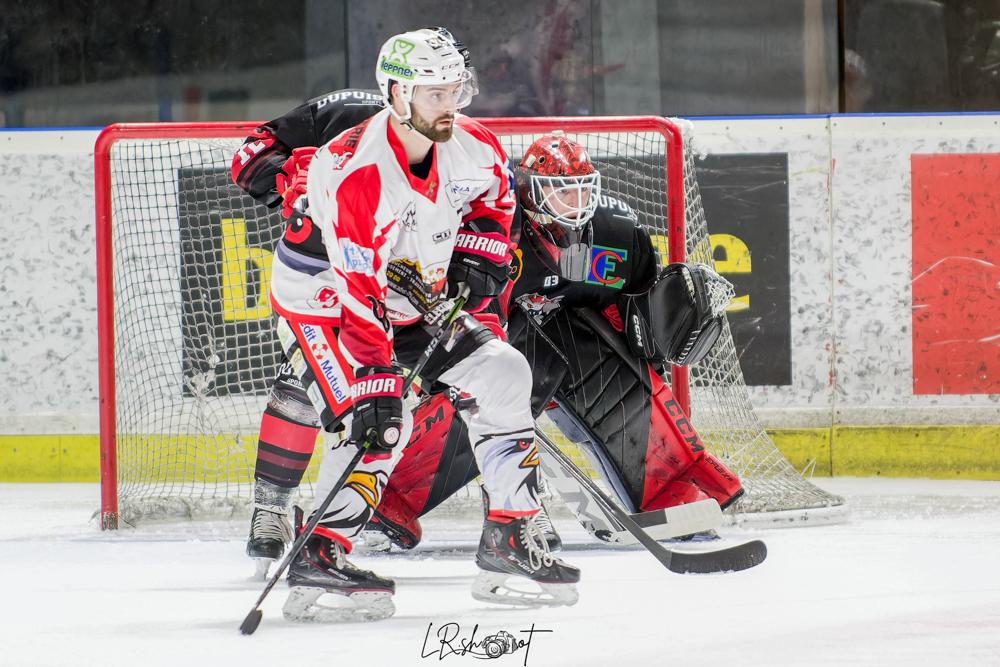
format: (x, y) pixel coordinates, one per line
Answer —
(194, 352)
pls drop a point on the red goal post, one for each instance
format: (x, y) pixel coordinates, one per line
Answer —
(178, 432)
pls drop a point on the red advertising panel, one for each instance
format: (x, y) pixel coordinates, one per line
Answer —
(956, 274)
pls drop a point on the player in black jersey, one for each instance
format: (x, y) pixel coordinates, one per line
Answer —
(573, 276)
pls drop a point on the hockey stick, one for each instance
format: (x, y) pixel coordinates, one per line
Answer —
(253, 619)
(731, 559)
(662, 524)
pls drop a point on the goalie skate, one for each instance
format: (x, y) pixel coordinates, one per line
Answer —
(516, 567)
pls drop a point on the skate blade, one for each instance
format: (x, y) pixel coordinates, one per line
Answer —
(261, 565)
(302, 606)
(500, 588)
(374, 541)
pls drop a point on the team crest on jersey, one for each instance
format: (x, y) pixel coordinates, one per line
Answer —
(539, 306)
(461, 190)
(340, 159)
(408, 218)
(325, 297)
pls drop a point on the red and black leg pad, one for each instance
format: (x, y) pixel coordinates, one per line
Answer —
(649, 450)
(436, 462)
(288, 431)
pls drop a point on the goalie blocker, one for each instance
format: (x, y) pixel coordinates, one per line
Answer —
(607, 397)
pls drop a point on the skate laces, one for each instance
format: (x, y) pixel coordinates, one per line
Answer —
(271, 525)
(543, 522)
(337, 553)
(534, 541)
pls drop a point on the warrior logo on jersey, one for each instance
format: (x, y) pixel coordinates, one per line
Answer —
(604, 262)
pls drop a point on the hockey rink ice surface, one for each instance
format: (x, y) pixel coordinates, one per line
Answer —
(912, 579)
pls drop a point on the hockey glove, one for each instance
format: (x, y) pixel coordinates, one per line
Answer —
(291, 180)
(378, 407)
(481, 261)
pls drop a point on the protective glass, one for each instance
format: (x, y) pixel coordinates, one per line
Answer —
(447, 96)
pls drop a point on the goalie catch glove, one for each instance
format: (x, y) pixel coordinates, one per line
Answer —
(680, 318)
(378, 407)
(480, 260)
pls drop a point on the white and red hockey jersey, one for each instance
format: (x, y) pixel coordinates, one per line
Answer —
(389, 235)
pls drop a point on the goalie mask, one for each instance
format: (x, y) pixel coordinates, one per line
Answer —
(559, 188)
(426, 57)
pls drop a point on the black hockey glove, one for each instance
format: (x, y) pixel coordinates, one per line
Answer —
(680, 317)
(378, 407)
(481, 261)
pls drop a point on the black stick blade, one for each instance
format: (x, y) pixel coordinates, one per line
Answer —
(733, 559)
(250, 623)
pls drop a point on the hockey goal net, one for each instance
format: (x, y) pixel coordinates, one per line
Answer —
(185, 331)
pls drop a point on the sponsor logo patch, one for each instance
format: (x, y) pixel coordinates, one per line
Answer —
(604, 262)
(357, 259)
(461, 190)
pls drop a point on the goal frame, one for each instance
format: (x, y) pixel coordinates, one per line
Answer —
(109, 513)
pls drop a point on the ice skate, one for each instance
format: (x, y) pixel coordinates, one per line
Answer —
(511, 553)
(552, 538)
(322, 567)
(270, 531)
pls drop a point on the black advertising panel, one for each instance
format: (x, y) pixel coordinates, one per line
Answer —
(746, 203)
(226, 241)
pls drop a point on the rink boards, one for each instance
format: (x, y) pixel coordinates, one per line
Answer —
(863, 248)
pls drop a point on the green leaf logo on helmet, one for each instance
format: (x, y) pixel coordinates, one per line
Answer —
(396, 63)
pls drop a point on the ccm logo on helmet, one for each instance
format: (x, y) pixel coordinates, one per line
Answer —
(376, 385)
(483, 244)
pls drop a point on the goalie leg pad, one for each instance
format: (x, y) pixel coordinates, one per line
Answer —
(630, 414)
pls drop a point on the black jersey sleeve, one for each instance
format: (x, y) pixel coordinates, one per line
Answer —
(259, 160)
(645, 265)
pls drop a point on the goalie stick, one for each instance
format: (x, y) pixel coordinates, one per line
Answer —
(253, 619)
(731, 559)
(662, 524)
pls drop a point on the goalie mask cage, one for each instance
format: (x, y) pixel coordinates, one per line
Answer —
(186, 352)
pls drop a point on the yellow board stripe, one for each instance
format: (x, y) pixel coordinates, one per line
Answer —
(936, 452)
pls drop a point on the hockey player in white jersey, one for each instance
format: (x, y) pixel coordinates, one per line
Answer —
(412, 205)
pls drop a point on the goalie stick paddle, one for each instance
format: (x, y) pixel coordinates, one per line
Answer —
(253, 619)
(731, 559)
